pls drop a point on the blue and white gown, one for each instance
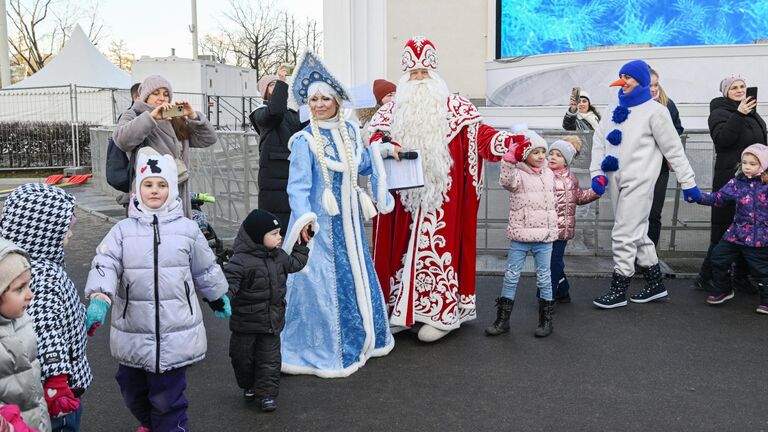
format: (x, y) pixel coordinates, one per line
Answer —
(336, 317)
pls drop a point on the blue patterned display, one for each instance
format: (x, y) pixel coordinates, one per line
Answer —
(620, 114)
(614, 137)
(530, 27)
(610, 163)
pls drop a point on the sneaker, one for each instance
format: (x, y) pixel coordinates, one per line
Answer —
(716, 299)
(143, 429)
(249, 395)
(268, 404)
(762, 309)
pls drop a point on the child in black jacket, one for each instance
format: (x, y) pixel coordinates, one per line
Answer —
(257, 275)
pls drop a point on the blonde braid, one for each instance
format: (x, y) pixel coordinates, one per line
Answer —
(329, 200)
(366, 204)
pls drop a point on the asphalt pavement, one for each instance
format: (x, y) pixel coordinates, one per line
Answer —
(676, 365)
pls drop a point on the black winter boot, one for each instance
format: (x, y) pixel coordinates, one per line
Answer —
(616, 295)
(654, 285)
(545, 318)
(503, 311)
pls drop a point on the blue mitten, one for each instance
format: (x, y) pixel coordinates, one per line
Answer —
(95, 314)
(221, 307)
(692, 195)
(599, 183)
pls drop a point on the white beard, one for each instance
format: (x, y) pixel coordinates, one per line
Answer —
(420, 123)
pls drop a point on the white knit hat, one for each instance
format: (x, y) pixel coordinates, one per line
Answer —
(149, 163)
(536, 142)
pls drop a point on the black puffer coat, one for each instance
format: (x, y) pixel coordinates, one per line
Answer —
(275, 124)
(731, 133)
(257, 278)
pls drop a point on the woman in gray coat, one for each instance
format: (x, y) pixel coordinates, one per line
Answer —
(21, 389)
(144, 126)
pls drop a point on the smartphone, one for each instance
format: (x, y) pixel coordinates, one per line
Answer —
(575, 93)
(174, 111)
(752, 93)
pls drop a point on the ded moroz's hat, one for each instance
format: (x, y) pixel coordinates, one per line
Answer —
(419, 53)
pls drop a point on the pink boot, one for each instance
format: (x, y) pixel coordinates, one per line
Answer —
(143, 429)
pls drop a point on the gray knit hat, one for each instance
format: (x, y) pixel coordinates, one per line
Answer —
(152, 83)
(727, 82)
(565, 148)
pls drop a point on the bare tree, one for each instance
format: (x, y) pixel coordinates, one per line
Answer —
(218, 47)
(253, 38)
(42, 27)
(311, 36)
(119, 55)
(261, 37)
(290, 42)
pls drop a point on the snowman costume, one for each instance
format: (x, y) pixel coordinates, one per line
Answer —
(627, 152)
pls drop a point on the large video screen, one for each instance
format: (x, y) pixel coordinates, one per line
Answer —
(529, 27)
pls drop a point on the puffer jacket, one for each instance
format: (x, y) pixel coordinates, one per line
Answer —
(532, 209)
(257, 278)
(20, 380)
(569, 195)
(731, 133)
(36, 217)
(750, 195)
(275, 124)
(150, 266)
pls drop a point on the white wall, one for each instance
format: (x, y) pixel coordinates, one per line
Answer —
(535, 90)
(363, 39)
(197, 76)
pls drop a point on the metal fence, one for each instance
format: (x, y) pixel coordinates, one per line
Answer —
(685, 227)
(229, 170)
(54, 121)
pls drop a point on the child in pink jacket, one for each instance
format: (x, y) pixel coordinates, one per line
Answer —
(568, 195)
(532, 227)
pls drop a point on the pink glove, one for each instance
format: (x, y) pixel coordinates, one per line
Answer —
(517, 146)
(12, 415)
(59, 397)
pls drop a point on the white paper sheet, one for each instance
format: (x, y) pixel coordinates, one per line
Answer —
(404, 174)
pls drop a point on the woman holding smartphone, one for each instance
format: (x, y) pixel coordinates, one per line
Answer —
(734, 125)
(581, 114)
(148, 123)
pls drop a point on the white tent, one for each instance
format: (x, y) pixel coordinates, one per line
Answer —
(79, 62)
(49, 94)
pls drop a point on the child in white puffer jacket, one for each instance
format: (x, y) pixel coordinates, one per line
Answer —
(148, 268)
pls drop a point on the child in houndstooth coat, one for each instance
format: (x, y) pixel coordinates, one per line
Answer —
(39, 219)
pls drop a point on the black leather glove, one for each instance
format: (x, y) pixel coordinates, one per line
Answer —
(217, 305)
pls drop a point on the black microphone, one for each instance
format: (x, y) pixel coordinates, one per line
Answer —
(409, 155)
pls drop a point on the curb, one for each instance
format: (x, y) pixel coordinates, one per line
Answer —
(96, 213)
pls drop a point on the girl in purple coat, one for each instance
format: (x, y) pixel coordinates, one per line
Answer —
(568, 195)
(748, 234)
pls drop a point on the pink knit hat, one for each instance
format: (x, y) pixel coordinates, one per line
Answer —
(760, 151)
(264, 83)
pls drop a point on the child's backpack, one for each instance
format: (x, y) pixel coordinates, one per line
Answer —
(119, 167)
